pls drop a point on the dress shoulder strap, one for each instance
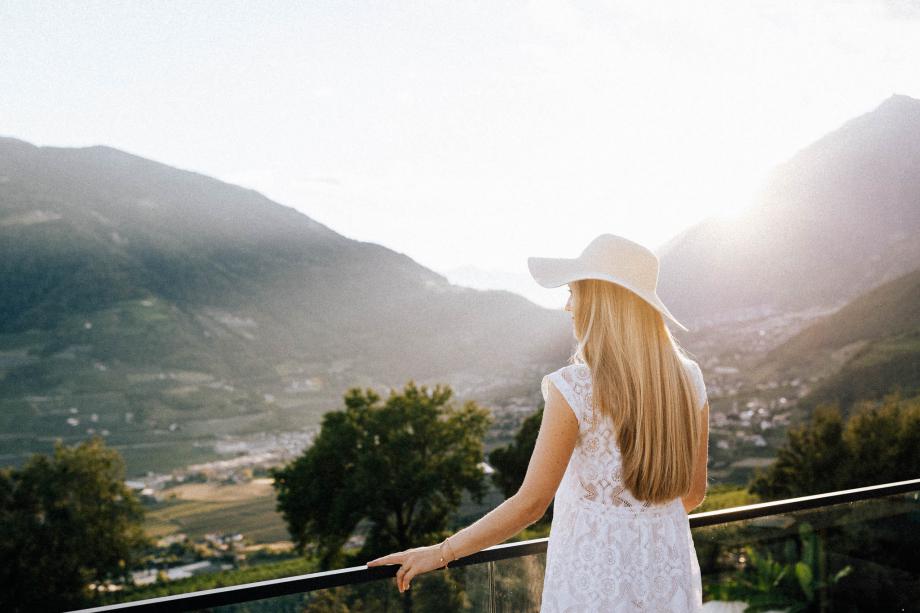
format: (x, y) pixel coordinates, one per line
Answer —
(574, 383)
(699, 385)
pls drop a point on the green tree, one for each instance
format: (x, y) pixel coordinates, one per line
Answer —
(65, 521)
(809, 462)
(879, 443)
(883, 439)
(401, 465)
(511, 461)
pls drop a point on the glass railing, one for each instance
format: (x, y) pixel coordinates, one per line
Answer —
(852, 550)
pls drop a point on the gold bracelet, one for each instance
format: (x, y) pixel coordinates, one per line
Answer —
(441, 553)
(451, 547)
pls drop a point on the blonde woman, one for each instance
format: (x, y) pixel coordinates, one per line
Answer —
(622, 449)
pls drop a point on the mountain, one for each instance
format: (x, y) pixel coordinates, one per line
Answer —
(839, 218)
(164, 299)
(862, 351)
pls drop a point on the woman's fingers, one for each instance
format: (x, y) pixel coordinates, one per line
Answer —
(404, 575)
(407, 578)
(400, 583)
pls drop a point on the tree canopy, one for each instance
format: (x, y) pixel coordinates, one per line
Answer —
(511, 461)
(879, 443)
(400, 465)
(65, 521)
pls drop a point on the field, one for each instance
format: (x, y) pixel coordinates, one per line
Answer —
(200, 508)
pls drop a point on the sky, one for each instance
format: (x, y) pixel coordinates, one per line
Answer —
(467, 135)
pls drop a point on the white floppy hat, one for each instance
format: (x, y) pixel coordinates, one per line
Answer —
(609, 258)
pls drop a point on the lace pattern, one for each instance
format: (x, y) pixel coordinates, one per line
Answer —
(608, 551)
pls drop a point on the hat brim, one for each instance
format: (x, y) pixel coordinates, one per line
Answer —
(556, 272)
(551, 272)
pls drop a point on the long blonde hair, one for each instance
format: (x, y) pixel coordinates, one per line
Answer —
(640, 384)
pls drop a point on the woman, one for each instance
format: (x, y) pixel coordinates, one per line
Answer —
(622, 449)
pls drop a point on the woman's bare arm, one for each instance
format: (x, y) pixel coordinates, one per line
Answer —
(697, 493)
(550, 457)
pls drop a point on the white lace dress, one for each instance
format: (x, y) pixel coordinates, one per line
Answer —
(606, 550)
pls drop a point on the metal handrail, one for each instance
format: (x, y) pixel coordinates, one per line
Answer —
(271, 588)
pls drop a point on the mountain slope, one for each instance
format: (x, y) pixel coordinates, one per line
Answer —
(866, 349)
(133, 286)
(837, 219)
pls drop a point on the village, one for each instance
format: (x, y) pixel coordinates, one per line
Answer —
(743, 430)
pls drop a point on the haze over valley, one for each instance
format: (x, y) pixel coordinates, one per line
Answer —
(204, 330)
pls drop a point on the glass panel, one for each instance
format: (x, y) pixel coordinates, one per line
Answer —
(859, 556)
(465, 588)
(518, 583)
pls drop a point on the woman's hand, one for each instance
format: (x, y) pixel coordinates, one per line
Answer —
(414, 562)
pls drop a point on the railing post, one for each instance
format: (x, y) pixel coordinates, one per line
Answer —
(492, 606)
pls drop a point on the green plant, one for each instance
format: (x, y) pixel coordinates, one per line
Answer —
(794, 584)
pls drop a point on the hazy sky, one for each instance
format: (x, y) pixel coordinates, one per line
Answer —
(461, 133)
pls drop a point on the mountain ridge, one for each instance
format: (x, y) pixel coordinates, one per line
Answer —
(860, 352)
(834, 220)
(180, 299)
